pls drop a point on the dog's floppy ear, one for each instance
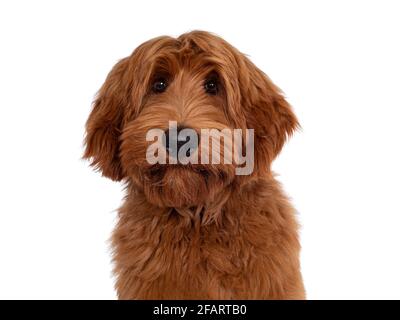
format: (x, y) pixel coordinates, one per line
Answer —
(103, 126)
(267, 111)
(117, 102)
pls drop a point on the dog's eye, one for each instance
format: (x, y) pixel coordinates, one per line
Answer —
(211, 86)
(160, 85)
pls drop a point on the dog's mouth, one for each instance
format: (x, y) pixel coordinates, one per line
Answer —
(185, 185)
(157, 173)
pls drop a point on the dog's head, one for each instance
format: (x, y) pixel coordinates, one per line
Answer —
(199, 81)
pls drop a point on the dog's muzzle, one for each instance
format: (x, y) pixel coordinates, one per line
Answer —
(175, 139)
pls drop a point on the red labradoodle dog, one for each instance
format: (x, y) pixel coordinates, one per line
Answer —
(196, 231)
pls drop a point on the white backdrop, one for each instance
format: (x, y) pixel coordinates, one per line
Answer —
(338, 63)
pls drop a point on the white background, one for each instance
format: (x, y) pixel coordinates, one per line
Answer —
(338, 63)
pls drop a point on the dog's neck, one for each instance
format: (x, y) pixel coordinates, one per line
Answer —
(214, 211)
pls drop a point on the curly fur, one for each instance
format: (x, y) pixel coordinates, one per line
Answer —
(196, 231)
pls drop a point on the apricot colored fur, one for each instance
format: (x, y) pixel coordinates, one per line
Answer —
(196, 231)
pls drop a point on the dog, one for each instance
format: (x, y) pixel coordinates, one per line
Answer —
(196, 231)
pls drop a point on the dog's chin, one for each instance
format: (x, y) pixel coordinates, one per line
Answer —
(184, 186)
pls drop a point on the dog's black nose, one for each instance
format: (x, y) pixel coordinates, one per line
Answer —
(180, 137)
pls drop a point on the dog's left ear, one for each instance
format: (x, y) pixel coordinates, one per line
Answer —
(267, 111)
(103, 127)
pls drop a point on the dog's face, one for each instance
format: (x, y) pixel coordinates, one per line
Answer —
(200, 82)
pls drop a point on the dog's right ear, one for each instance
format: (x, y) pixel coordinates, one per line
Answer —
(103, 126)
